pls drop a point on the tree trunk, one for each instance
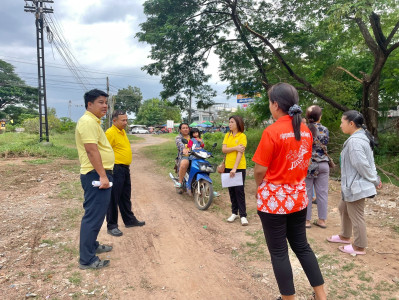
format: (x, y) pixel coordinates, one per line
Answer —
(372, 109)
(371, 85)
(189, 109)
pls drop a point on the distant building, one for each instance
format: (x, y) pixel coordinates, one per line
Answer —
(210, 114)
(393, 113)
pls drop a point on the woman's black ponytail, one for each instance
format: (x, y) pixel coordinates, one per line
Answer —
(313, 115)
(358, 119)
(287, 99)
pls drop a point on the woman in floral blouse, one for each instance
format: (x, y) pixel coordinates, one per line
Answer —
(318, 172)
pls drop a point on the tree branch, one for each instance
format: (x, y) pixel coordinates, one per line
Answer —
(308, 86)
(349, 73)
(387, 173)
(393, 32)
(394, 46)
(367, 36)
(377, 30)
(208, 47)
(258, 63)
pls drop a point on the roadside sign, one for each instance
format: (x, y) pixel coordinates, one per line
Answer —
(169, 124)
(241, 98)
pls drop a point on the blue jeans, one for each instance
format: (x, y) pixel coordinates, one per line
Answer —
(95, 205)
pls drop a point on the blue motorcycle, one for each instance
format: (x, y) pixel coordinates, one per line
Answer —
(197, 181)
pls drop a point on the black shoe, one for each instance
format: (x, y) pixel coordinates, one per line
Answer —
(314, 202)
(98, 264)
(115, 232)
(103, 248)
(137, 223)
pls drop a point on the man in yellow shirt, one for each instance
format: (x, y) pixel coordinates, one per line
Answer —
(96, 159)
(122, 188)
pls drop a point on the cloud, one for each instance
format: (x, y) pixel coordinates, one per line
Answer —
(16, 26)
(100, 34)
(112, 11)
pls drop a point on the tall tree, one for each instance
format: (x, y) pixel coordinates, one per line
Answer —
(13, 90)
(262, 42)
(155, 112)
(183, 71)
(129, 99)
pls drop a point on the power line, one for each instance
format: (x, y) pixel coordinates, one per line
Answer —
(58, 66)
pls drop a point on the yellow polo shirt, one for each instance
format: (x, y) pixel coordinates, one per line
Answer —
(233, 141)
(89, 131)
(121, 145)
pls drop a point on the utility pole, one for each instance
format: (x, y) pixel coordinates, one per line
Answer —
(70, 109)
(110, 106)
(39, 9)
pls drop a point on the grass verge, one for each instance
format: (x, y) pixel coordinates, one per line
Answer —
(24, 144)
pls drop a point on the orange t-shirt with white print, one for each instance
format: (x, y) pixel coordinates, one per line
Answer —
(283, 189)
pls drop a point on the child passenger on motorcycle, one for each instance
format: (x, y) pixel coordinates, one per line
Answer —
(196, 140)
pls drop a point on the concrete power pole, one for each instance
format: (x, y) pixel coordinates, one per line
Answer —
(39, 9)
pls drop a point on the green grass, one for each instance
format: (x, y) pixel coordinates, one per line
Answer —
(24, 144)
(348, 267)
(50, 242)
(71, 190)
(39, 161)
(72, 216)
(75, 278)
(363, 276)
(132, 137)
(256, 249)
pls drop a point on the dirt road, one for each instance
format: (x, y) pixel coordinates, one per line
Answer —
(181, 252)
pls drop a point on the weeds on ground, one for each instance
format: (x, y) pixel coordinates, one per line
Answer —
(134, 138)
(39, 161)
(70, 190)
(72, 216)
(256, 250)
(75, 278)
(24, 144)
(49, 242)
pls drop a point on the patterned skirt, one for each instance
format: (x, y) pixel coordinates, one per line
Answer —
(282, 198)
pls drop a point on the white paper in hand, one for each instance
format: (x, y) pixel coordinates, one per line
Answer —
(96, 183)
(227, 181)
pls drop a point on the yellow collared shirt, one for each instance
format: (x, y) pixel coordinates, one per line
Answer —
(121, 145)
(232, 141)
(89, 131)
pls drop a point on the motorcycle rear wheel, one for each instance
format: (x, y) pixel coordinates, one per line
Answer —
(203, 199)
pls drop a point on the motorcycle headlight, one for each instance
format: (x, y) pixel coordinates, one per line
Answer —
(203, 168)
(211, 168)
(207, 168)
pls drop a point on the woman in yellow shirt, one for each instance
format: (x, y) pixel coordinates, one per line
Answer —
(234, 144)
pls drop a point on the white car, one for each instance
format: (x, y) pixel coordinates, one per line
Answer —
(140, 130)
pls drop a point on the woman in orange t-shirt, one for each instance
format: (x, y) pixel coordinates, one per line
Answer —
(281, 163)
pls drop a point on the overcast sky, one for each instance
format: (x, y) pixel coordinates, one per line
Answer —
(100, 34)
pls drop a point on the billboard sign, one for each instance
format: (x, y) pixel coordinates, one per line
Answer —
(169, 124)
(241, 98)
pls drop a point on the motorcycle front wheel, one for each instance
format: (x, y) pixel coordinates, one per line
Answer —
(203, 196)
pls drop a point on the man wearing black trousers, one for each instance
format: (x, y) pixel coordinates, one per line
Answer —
(96, 159)
(121, 191)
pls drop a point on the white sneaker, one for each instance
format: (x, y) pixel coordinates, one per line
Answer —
(178, 184)
(244, 221)
(232, 218)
